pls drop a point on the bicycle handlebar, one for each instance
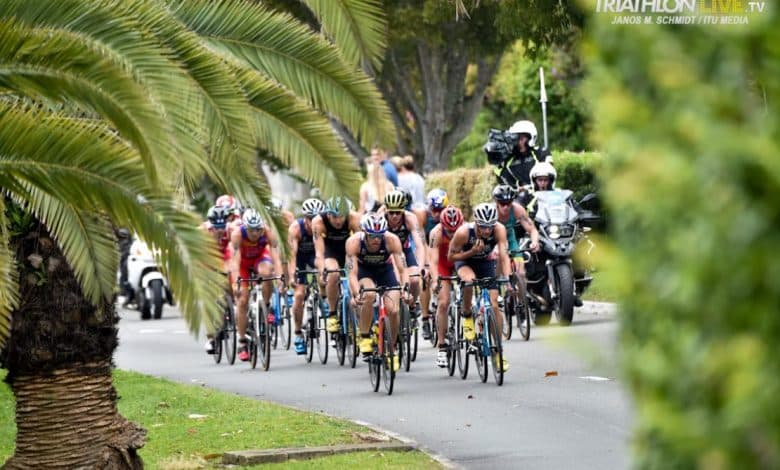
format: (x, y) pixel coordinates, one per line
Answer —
(381, 289)
(258, 279)
(485, 281)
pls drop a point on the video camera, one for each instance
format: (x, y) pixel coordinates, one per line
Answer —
(499, 146)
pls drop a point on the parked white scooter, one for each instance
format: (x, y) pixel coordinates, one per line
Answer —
(150, 288)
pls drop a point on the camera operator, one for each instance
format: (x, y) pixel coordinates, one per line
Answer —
(518, 156)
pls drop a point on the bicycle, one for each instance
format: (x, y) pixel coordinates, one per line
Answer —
(451, 336)
(486, 347)
(519, 310)
(407, 334)
(282, 325)
(380, 363)
(346, 338)
(225, 338)
(258, 328)
(310, 327)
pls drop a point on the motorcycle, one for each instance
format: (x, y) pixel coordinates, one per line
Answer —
(148, 285)
(551, 277)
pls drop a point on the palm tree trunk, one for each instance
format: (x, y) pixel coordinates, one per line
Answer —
(68, 419)
(58, 358)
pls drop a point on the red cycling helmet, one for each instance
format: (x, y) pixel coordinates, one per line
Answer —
(451, 218)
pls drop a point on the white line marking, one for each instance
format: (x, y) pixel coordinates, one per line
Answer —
(596, 378)
(149, 331)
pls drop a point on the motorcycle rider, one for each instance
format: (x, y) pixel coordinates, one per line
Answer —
(515, 170)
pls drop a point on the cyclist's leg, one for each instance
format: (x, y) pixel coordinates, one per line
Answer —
(366, 314)
(413, 269)
(487, 268)
(392, 299)
(466, 274)
(441, 313)
(265, 268)
(332, 287)
(297, 306)
(243, 302)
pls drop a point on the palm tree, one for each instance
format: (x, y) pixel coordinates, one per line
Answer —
(110, 112)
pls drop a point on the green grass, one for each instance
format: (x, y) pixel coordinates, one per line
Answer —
(600, 290)
(176, 441)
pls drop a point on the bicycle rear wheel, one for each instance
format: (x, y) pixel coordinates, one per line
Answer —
(218, 347)
(524, 319)
(388, 358)
(415, 335)
(229, 331)
(480, 355)
(341, 336)
(510, 308)
(286, 327)
(375, 368)
(496, 351)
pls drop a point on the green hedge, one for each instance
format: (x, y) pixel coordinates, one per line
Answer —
(469, 187)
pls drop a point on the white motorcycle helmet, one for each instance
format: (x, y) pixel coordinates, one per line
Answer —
(525, 127)
(543, 169)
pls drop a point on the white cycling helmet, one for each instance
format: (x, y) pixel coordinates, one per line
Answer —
(312, 207)
(543, 169)
(485, 214)
(525, 127)
(373, 224)
(252, 219)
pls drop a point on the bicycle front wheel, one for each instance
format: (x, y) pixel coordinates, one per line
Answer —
(496, 351)
(462, 351)
(388, 359)
(264, 338)
(286, 327)
(452, 343)
(405, 338)
(351, 340)
(341, 336)
(510, 305)
(322, 337)
(481, 354)
(524, 319)
(229, 331)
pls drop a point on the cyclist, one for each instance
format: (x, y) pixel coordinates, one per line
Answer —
(403, 224)
(331, 230)
(441, 235)
(369, 264)
(514, 218)
(255, 248)
(216, 226)
(301, 242)
(427, 218)
(471, 249)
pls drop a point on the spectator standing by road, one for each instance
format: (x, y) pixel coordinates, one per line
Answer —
(379, 157)
(372, 192)
(411, 181)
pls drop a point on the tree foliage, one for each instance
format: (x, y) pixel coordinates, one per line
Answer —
(438, 66)
(688, 117)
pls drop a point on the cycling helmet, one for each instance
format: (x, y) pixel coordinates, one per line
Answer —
(525, 127)
(395, 200)
(543, 169)
(503, 193)
(437, 199)
(373, 224)
(277, 204)
(217, 216)
(312, 207)
(407, 195)
(485, 214)
(338, 206)
(451, 218)
(252, 219)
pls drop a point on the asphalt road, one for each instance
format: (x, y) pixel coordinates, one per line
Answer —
(578, 419)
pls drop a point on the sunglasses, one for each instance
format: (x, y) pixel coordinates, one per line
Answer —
(504, 203)
(395, 212)
(484, 227)
(372, 236)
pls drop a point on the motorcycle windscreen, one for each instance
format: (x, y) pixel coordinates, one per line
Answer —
(553, 208)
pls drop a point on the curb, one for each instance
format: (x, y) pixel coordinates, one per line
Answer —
(254, 457)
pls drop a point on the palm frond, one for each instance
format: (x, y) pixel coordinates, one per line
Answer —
(299, 136)
(68, 163)
(282, 48)
(9, 282)
(357, 27)
(86, 240)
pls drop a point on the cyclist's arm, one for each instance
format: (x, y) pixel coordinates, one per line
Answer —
(235, 262)
(421, 214)
(530, 228)
(350, 264)
(433, 254)
(293, 234)
(456, 252)
(503, 250)
(419, 239)
(317, 230)
(276, 255)
(354, 221)
(397, 250)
